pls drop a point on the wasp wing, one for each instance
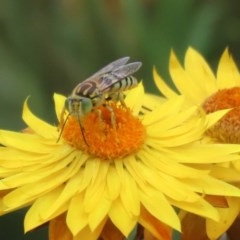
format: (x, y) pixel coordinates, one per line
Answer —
(110, 67)
(108, 79)
(96, 78)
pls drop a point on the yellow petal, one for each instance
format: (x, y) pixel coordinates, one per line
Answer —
(227, 73)
(154, 202)
(226, 174)
(172, 168)
(165, 110)
(99, 213)
(11, 158)
(37, 125)
(59, 101)
(133, 169)
(113, 183)
(204, 153)
(227, 216)
(212, 186)
(162, 86)
(202, 71)
(87, 233)
(175, 122)
(167, 185)
(182, 78)
(174, 138)
(29, 192)
(119, 168)
(95, 191)
(212, 118)
(26, 142)
(30, 176)
(70, 189)
(15, 159)
(151, 101)
(134, 99)
(121, 218)
(129, 194)
(34, 216)
(200, 207)
(176, 133)
(77, 218)
(89, 172)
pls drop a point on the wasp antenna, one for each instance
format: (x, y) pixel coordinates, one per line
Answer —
(63, 125)
(82, 131)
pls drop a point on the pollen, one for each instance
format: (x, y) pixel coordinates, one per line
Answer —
(103, 138)
(227, 129)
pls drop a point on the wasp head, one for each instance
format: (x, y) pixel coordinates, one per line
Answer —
(78, 106)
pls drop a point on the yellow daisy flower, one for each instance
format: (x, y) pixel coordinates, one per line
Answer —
(201, 87)
(135, 173)
(197, 82)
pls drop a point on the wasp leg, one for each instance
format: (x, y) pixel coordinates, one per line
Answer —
(116, 97)
(99, 112)
(121, 99)
(113, 119)
(82, 129)
(61, 121)
(112, 115)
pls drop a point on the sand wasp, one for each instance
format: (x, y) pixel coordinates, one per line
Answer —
(107, 84)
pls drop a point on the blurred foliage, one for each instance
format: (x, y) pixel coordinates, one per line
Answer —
(49, 46)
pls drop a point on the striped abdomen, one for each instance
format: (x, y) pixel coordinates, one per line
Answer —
(122, 85)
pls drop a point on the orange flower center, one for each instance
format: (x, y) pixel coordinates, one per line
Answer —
(101, 137)
(228, 128)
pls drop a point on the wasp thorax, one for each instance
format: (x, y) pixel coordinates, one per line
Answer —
(77, 105)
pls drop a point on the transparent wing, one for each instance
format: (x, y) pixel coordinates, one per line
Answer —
(107, 76)
(110, 67)
(108, 79)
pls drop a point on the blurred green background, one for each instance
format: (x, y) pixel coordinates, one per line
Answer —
(49, 46)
